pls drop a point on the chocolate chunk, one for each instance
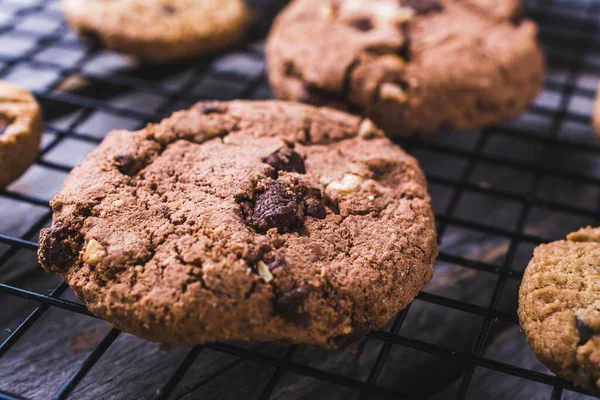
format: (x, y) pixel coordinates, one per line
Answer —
(585, 331)
(423, 6)
(289, 303)
(518, 17)
(362, 24)
(277, 207)
(169, 10)
(313, 204)
(212, 108)
(57, 247)
(4, 124)
(286, 159)
(278, 262)
(127, 165)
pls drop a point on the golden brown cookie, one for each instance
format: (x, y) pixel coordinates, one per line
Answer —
(255, 221)
(20, 131)
(413, 66)
(559, 307)
(160, 30)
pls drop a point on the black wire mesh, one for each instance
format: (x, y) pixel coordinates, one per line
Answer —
(497, 193)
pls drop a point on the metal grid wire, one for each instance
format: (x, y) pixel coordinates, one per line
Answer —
(497, 193)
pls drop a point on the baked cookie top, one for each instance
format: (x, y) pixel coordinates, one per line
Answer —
(411, 65)
(257, 221)
(559, 307)
(160, 30)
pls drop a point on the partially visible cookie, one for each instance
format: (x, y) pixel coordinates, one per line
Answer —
(413, 66)
(596, 112)
(255, 221)
(559, 307)
(160, 30)
(20, 131)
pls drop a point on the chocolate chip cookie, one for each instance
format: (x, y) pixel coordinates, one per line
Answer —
(160, 30)
(20, 131)
(255, 221)
(559, 307)
(413, 66)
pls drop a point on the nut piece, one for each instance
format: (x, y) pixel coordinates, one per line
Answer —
(402, 15)
(207, 134)
(264, 272)
(348, 184)
(368, 130)
(118, 203)
(391, 92)
(139, 269)
(326, 11)
(94, 252)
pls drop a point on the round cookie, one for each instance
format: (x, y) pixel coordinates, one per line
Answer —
(254, 221)
(20, 131)
(160, 30)
(559, 307)
(413, 66)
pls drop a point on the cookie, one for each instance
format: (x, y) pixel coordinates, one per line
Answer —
(596, 113)
(160, 30)
(412, 66)
(20, 131)
(559, 307)
(254, 221)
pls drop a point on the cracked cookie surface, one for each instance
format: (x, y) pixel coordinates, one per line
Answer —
(20, 131)
(413, 66)
(255, 221)
(559, 307)
(160, 30)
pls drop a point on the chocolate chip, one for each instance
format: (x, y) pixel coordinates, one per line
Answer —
(56, 245)
(518, 17)
(423, 6)
(313, 204)
(168, 9)
(585, 331)
(286, 159)
(288, 305)
(4, 124)
(212, 108)
(405, 51)
(126, 165)
(362, 24)
(277, 207)
(277, 262)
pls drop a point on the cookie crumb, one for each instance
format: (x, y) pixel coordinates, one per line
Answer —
(118, 203)
(139, 269)
(392, 92)
(94, 252)
(347, 330)
(371, 197)
(264, 272)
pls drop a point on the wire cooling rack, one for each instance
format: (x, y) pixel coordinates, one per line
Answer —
(497, 193)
